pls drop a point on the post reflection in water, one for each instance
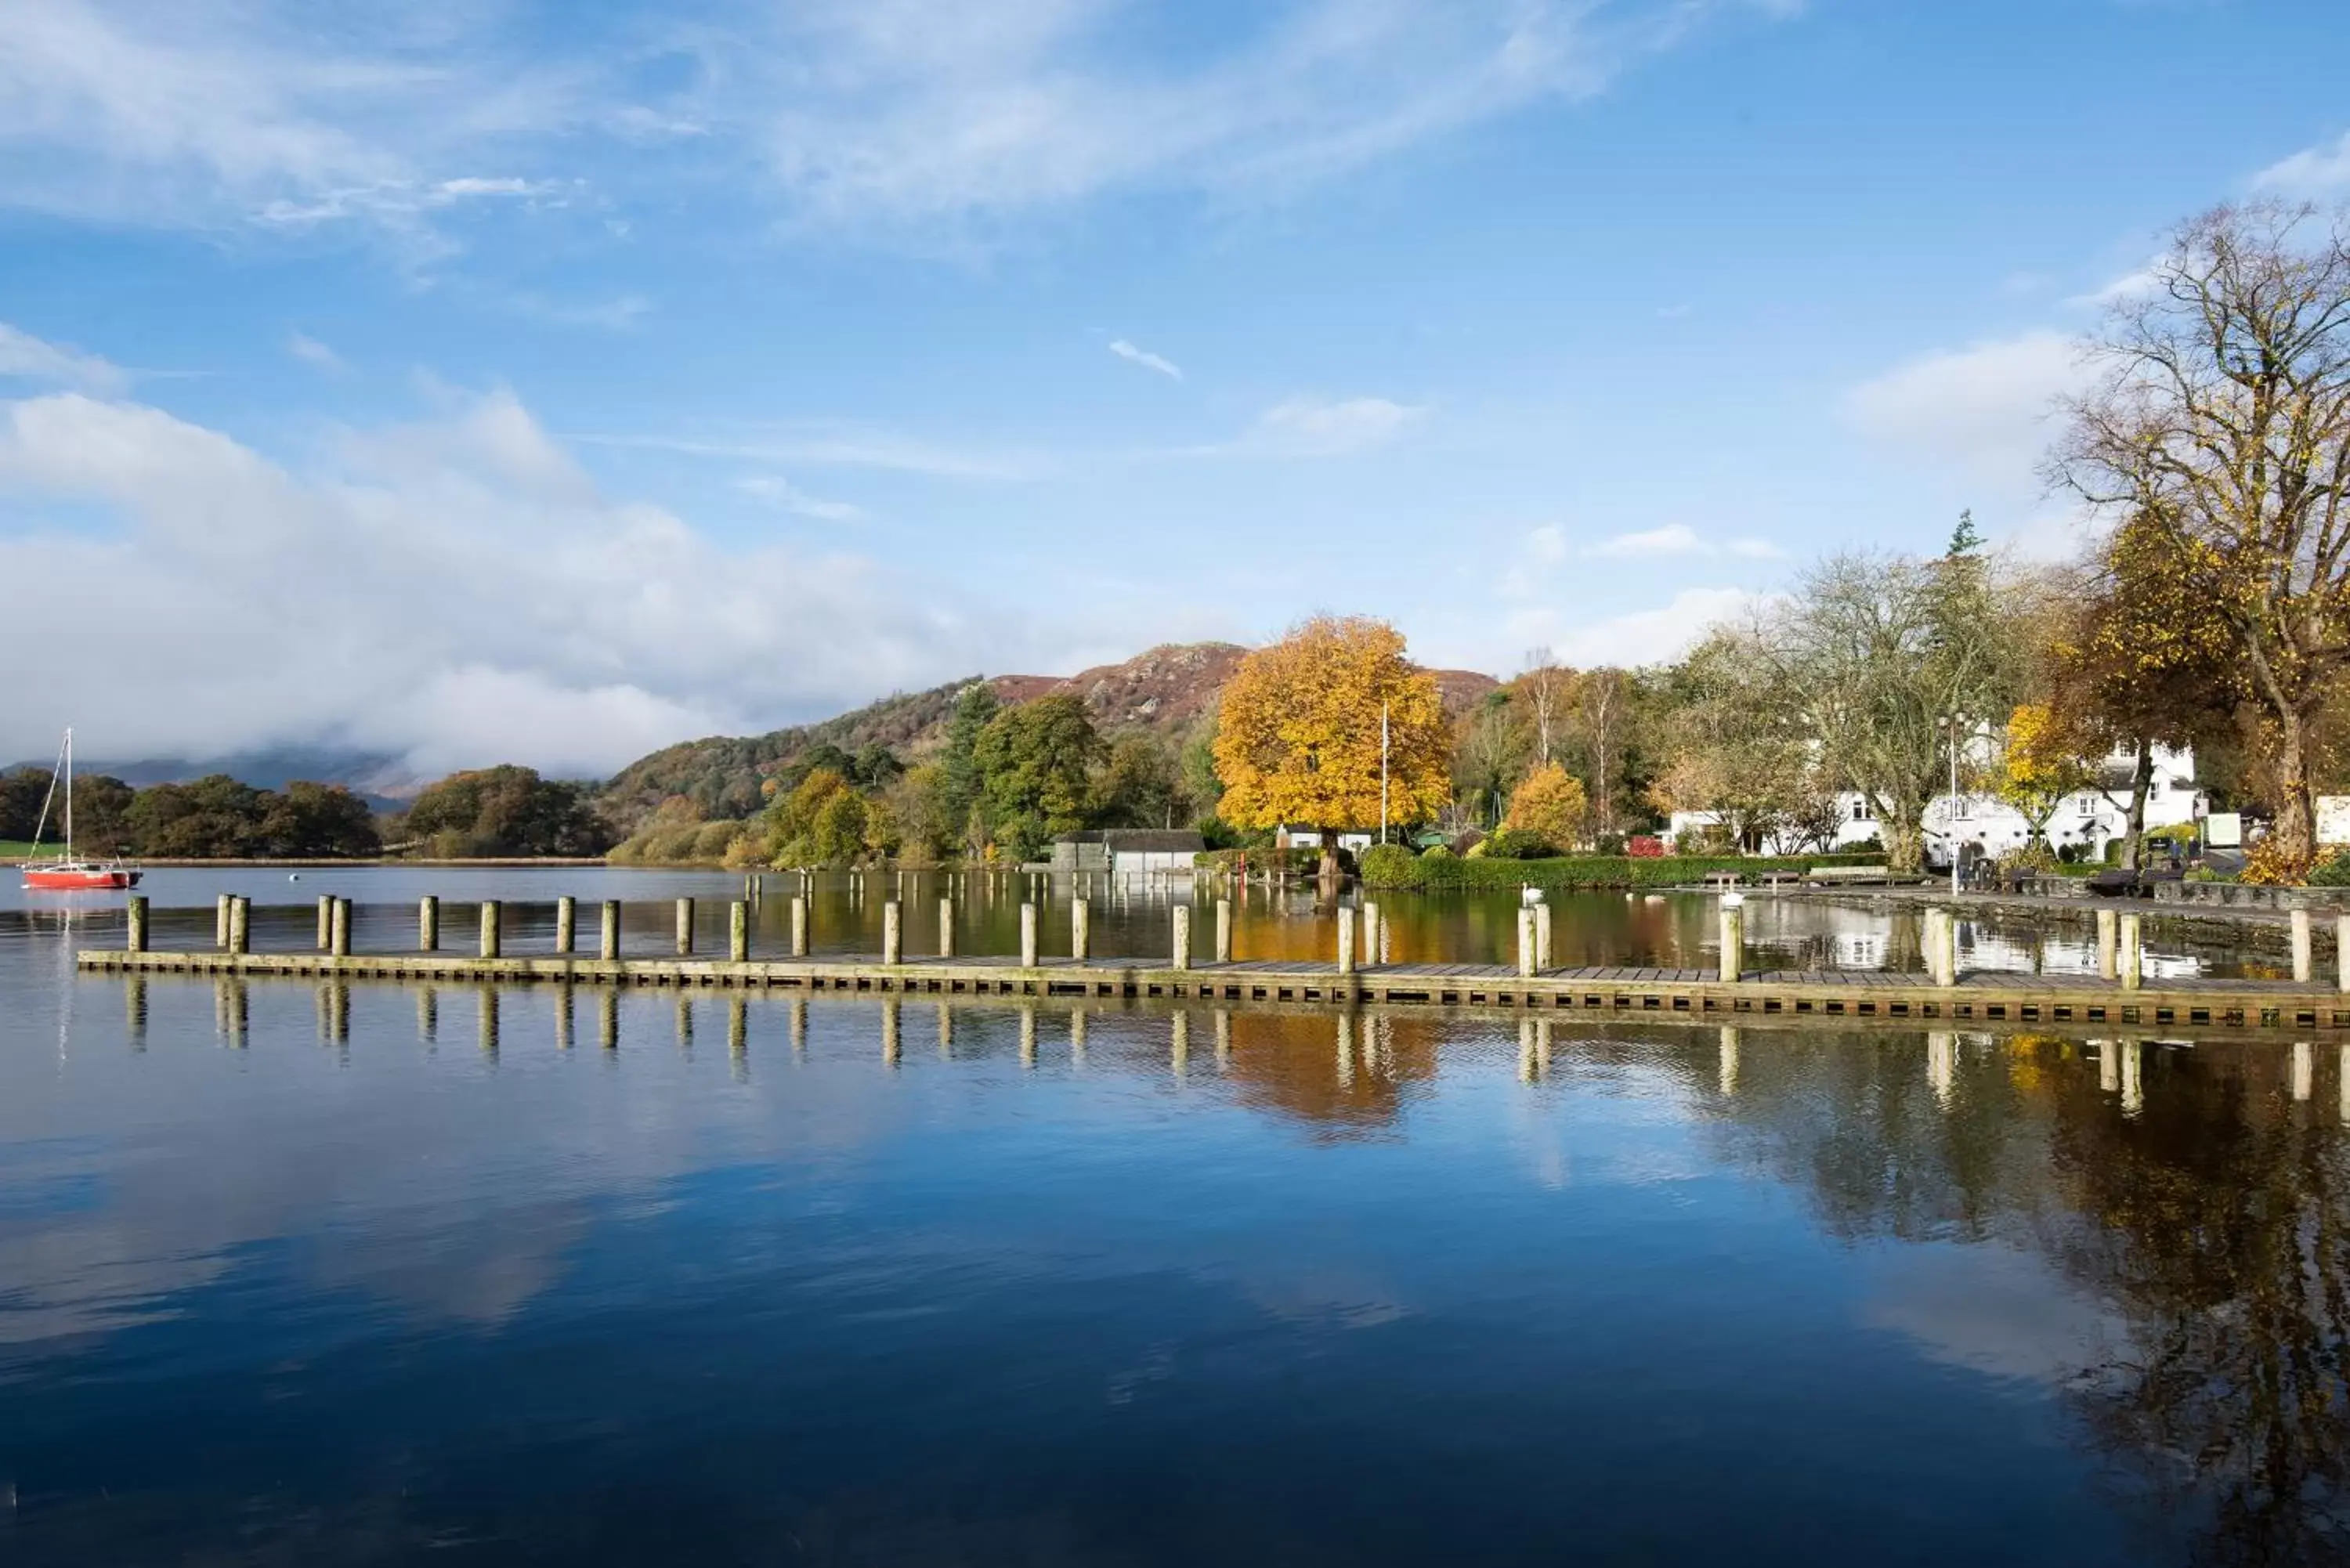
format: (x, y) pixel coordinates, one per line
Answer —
(488, 1020)
(428, 1016)
(563, 1018)
(134, 1010)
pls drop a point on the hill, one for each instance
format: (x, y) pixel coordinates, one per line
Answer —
(377, 778)
(1166, 690)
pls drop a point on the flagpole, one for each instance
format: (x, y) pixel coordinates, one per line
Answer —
(1383, 770)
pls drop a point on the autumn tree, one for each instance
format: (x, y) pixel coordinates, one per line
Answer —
(2044, 762)
(1599, 712)
(1297, 741)
(507, 810)
(2221, 420)
(1547, 685)
(821, 822)
(1733, 748)
(1549, 804)
(1035, 762)
(1140, 784)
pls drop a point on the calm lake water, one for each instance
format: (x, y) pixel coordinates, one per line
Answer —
(385, 1274)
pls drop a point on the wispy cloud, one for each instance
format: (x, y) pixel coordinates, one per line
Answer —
(1672, 539)
(26, 357)
(312, 352)
(1324, 427)
(784, 497)
(1982, 410)
(1144, 358)
(2314, 171)
(836, 443)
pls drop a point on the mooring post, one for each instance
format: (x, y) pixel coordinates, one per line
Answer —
(1346, 943)
(1027, 936)
(1224, 931)
(1930, 942)
(2342, 956)
(338, 928)
(946, 927)
(326, 922)
(2133, 953)
(893, 933)
(219, 923)
(1181, 958)
(428, 924)
(799, 925)
(684, 928)
(1081, 929)
(2304, 955)
(2108, 945)
(566, 924)
(1371, 933)
(489, 928)
(738, 932)
(1542, 935)
(1949, 951)
(1734, 938)
(608, 936)
(135, 937)
(240, 924)
(1525, 942)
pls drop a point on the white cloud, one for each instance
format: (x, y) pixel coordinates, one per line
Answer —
(457, 590)
(1319, 427)
(838, 443)
(1673, 539)
(1982, 410)
(310, 351)
(2314, 171)
(1144, 358)
(783, 494)
(26, 357)
(1754, 549)
(1546, 544)
(1636, 637)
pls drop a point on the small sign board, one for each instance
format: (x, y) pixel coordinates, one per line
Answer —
(2334, 819)
(2224, 830)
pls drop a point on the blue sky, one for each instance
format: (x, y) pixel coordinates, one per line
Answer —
(513, 378)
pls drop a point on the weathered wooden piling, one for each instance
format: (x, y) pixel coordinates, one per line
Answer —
(135, 928)
(489, 933)
(325, 922)
(1346, 943)
(2304, 950)
(2109, 944)
(1542, 936)
(738, 932)
(685, 928)
(1027, 936)
(220, 922)
(338, 928)
(240, 925)
(608, 933)
(799, 925)
(566, 924)
(1181, 958)
(428, 924)
(893, 933)
(2133, 953)
(1734, 938)
(946, 927)
(1224, 931)
(1525, 942)
(1081, 929)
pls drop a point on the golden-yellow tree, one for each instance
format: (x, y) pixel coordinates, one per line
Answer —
(2046, 761)
(1297, 741)
(1549, 802)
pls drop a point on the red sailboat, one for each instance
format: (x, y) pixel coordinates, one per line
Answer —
(69, 873)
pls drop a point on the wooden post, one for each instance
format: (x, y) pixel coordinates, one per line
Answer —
(489, 929)
(1224, 931)
(2108, 945)
(1949, 957)
(1542, 935)
(607, 938)
(946, 927)
(219, 923)
(1346, 943)
(1525, 942)
(325, 922)
(738, 932)
(799, 925)
(2133, 954)
(240, 924)
(135, 934)
(1181, 957)
(2305, 957)
(1930, 942)
(2342, 957)
(684, 928)
(428, 924)
(1027, 936)
(1081, 929)
(893, 933)
(566, 924)
(1733, 939)
(338, 928)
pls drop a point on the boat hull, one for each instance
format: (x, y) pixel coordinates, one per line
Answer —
(80, 878)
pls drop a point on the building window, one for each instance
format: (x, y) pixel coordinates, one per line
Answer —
(1860, 811)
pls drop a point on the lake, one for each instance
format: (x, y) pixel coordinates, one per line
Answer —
(378, 1273)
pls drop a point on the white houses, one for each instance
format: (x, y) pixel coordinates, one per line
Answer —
(1983, 825)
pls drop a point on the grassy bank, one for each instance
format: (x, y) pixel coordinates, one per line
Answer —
(1426, 873)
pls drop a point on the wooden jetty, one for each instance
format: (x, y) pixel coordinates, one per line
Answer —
(2120, 995)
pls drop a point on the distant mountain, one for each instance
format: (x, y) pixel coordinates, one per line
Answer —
(383, 780)
(1166, 689)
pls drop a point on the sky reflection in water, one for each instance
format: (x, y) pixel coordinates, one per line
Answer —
(293, 1273)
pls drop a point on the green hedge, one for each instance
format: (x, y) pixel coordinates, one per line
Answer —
(1425, 873)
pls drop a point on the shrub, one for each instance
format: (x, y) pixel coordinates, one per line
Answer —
(2267, 864)
(1610, 844)
(2333, 871)
(1520, 844)
(1644, 846)
(1387, 865)
(1438, 852)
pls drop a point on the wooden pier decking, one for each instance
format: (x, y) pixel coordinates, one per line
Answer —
(1622, 992)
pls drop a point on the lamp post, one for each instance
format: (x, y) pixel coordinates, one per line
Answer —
(1951, 818)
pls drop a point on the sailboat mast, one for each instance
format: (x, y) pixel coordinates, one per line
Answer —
(69, 849)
